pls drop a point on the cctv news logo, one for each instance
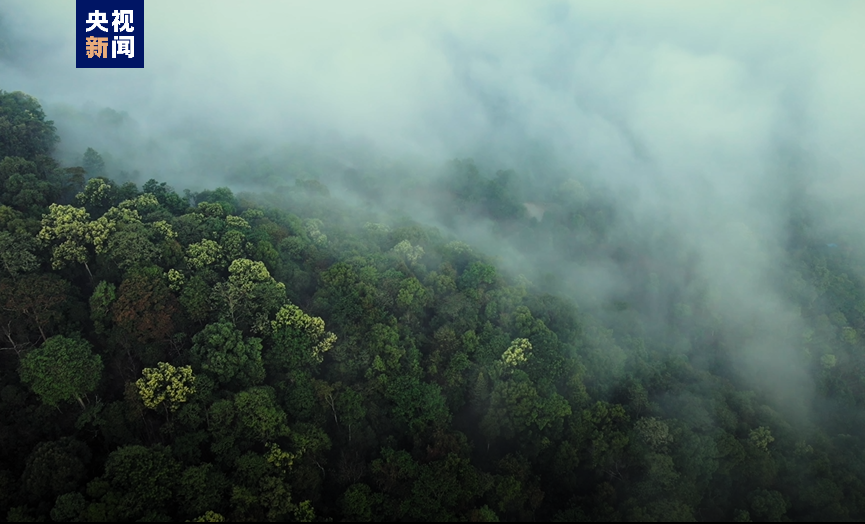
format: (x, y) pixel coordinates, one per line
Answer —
(109, 33)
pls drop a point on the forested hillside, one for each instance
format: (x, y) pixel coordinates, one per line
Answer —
(216, 356)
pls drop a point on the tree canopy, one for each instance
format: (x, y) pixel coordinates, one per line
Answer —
(216, 357)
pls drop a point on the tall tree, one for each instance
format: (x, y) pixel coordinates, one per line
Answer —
(24, 131)
(145, 308)
(93, 163)
(62, 369)
(222, 350)
(299, 340)
(166, 385)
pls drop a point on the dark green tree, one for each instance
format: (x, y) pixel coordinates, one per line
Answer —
(62, 369)
(221, 350)
(24, 131)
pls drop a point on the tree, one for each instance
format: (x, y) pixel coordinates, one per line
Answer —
(16, 253)
(202, 489)
(203, 254)
(166, 385)
(768, 505)
(258, 415)
(195, 299)
(603, 428)
(412, 297)
(760, 438)
(299, 340)
(100, 305)
(36, 298)
(145, 308)
(221, 349)
(68, 507)
(132, 246)
(408, 252)
(312, 227)
(23, 183)
(66, 229)
(654, 432)
(476, 274)
(513, 407)
(417, 404)
(98, 195)
(62, 369)
(93, 163)
(138, 481)
(166, 196)
(518, 352)
(24, 131)
(249, 296)
(56, 467)
(359, 502)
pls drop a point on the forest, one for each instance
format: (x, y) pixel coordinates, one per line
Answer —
(285, 356)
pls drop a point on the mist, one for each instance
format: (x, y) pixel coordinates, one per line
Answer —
(702, 124)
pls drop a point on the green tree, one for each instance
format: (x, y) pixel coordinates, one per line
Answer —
(24, 131)
(249, 296)
(299, 340)
(100, 305)
(166, 196)
(407, 252)
(202, 489)
(603, 427)
(68, 507)
(768, 505)
(259, 416)
(34, 300)
(195, 299)
(138, 481)
(417, 404)
(66, 229)
(513, 407)
(476, 274)
(654, 432)
(412, 297)
(56, 467)
(204, 254)
(222, 350)
(166, 385)
(93, 163)
(98, 195)
(16, 253)
(760, 438)
(62, 369)
(518, 352)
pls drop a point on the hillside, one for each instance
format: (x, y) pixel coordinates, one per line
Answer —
(284, 355)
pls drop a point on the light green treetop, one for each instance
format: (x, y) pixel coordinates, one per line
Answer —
(518, 352)
(410, 253)
(166, 384)
(300, 339)
(66, 228)
(203, 254)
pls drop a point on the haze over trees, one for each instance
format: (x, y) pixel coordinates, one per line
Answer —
(279, 356)
(435, 261)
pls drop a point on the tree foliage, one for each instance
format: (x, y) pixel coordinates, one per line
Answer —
(165, 384)
(62, 369)
(282, 356)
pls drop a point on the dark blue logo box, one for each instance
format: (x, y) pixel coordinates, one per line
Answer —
(109, 33)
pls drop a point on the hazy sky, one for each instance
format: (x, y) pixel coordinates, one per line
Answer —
(711, 112)
(656, 78)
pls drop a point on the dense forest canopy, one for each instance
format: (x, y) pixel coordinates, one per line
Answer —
(550, 261)
(279, 356)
